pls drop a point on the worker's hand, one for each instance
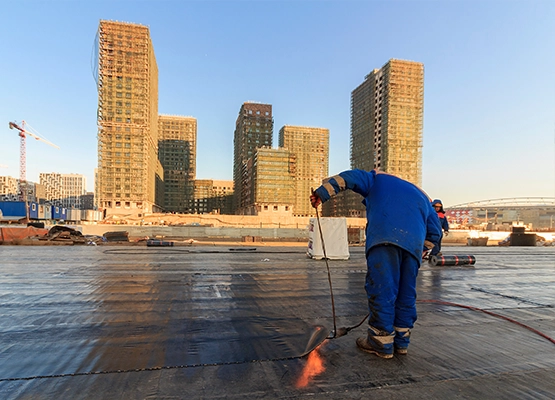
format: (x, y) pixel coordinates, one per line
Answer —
(315, 200)
(446, 233)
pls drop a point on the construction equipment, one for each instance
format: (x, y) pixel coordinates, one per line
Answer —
(23, 155)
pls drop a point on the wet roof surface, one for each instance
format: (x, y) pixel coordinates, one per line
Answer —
(220, 322)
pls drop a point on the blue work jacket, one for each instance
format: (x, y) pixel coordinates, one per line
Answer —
(398, 212)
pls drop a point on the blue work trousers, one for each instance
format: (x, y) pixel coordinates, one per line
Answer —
(391, 289)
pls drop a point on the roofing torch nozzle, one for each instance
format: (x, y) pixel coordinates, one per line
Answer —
(338, 333)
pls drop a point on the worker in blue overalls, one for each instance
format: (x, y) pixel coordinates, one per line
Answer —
(401, 222)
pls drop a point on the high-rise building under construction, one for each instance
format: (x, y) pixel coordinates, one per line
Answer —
(387, 111)
(254, 128)
(129, 176)
(310, 146)
(213, 196)
(269, 182)
(177, 150)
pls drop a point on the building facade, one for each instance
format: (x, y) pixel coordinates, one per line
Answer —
(74, 187)
(213, 197)
(63, 190)
(9, 188)
(268, 182)
(254, 128)
(387, 112)
(87, 201)
(129, 176)
(177, 151)
(310, 147)
(52, 183)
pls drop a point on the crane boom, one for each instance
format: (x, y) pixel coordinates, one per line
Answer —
(41, 139)
(23, 155)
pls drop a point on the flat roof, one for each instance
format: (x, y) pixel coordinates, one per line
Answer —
(233, 322)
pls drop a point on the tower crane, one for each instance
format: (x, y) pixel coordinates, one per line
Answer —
(23, 155)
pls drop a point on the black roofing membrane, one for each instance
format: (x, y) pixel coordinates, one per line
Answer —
(218, 322)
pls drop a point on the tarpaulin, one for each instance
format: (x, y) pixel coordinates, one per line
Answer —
(9, 234)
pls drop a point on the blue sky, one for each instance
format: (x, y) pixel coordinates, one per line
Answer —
(489, 97)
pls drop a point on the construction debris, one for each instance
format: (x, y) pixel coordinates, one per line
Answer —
(117, 236)
(60, 233)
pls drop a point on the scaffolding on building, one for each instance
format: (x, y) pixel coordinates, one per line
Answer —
(177, 151)
(213, 196)
(387, 112)
(129, 172)
(310, 147)
(254, 129)
(386, 128)
(405, 113)
(268, 182)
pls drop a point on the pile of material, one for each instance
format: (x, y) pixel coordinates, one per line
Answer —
(65, 234)
(477, 241)
(158, 243)
(118, 236)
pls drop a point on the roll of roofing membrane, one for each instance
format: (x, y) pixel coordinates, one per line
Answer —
(451, 260)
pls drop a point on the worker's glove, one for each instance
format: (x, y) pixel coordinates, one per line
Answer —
(446, 233)
(315, 200)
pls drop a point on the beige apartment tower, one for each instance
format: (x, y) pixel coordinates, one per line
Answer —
(269, 182)
(387, 112)
(177, 152)
(129, 176)
(254, 128)
(213, 196)
(310, 147)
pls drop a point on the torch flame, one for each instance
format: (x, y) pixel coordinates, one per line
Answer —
(313, 367)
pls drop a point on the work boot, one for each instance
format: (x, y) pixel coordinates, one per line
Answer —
(402, 340)
(362, 343)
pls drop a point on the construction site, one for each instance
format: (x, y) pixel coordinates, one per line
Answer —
(252, 322)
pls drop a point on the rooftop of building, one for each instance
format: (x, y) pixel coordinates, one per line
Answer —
(234, 322)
